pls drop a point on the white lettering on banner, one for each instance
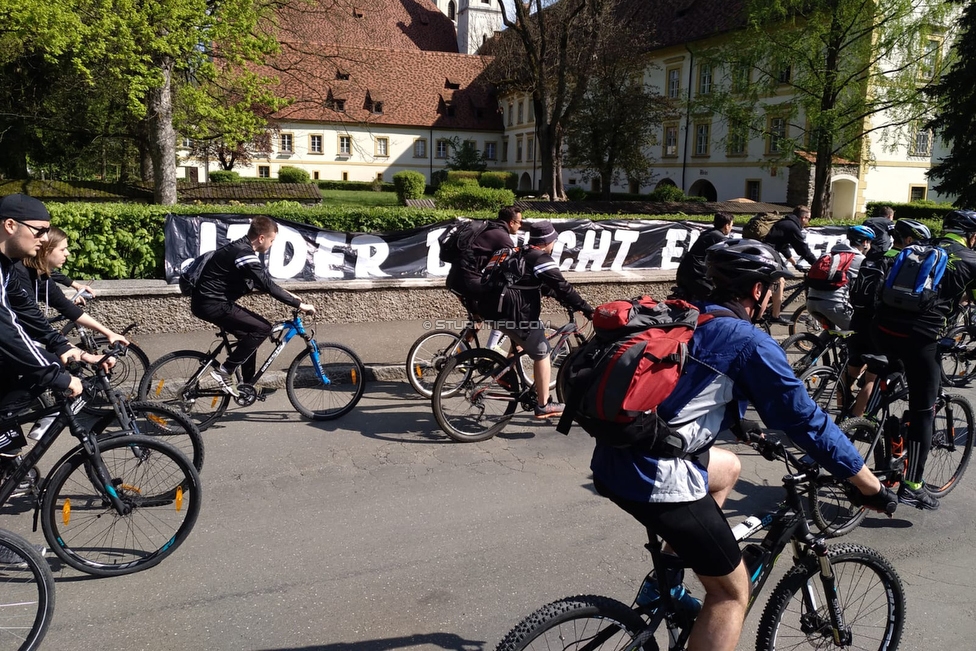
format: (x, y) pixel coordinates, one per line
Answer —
(434, 265)
(237, 231)
(626, 238)
(208, 237)
(565, 240)
(327, 260)
(588, 253)
(671, 253)
(821, 244)
(371, 252)
(277, 266)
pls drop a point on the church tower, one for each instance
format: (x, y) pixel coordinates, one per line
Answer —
(477, 21)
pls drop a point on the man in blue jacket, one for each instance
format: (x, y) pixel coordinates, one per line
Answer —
(730, 363)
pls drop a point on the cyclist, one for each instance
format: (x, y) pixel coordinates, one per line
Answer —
(690, 278)
(833, 304)
(730, 362)
(520, 307)
(863, 296)
(233, 271)
(882, 225)
(38, 273)
(913, 338)
(786, 236)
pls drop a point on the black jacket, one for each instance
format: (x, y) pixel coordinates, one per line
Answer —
(233, 271)
(690, 276)
(467, 281)
(787, 234)
(21, 322)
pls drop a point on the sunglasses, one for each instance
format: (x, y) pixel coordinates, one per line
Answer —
(38, 232)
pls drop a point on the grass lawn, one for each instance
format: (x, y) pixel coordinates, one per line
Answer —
(359, 198)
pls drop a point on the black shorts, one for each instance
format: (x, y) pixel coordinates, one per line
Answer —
(858, 344)
(697, 531)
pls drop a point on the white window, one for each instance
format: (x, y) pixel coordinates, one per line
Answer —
(737, 139)
(287, 143)
(704, 79)
(345, 145)
(671, 140)
(921, 144)
(382, 146)
(264, 171)
(490, 151)
(441, 149)
(518, 150)
(530, 148)
(521, 112)
(777, 132)
(504, 150)
(420, 148)
(674, 82)
(930, 59)
(702, 139)
(315, 144)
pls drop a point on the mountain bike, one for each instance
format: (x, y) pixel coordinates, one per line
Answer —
(323, 382)
(27, 601)
(429, 352)
(845, 596)
(880, 438)
(957, 355)
(478, 390)
(111, 505)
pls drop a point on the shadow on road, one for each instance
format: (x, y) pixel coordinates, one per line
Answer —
(442, 640)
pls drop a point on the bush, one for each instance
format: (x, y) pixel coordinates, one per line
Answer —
(355, 185)
(461, 183)
(457, 175)
(224, 176)
(472, 197)
(667, 193)
(498, 180)
(919, 210)
(409, 185)
(576, 193)
(289, 174)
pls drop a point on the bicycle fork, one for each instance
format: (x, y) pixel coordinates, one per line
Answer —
(811, 622)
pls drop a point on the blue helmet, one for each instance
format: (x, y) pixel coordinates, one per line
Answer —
(858, 234)
(960, 221)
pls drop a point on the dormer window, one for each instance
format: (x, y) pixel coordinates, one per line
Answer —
(342, 75)
(357, 12)
(452, 85)
(335, 103)
(424, 20)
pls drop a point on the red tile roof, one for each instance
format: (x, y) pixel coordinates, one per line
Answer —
(675, 22)
(413, 86)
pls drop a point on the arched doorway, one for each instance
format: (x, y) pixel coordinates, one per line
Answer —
(664, 183)
(525, 182)
(843, 196)
(703, 188)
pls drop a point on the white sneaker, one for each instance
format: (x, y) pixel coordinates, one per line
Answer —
(9, 557)
(227, 381)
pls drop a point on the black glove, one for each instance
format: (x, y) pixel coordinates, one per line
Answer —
(884, 501)
(747, 431)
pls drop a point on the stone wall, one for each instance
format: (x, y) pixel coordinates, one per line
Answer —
(159, 308)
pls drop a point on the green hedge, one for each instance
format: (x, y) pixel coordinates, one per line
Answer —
(472, 197)
(289, 174)
(409, 185)
(356, 185)
(920, 210)
(224, 176)
(498, 180)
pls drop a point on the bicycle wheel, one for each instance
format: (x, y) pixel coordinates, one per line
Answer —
(325, 385)
(803, 321)
(27, 604)
(468, 403)
(830, 506)
(868, 590)
(958, 359)
(952, 445)
(584, 622)
(426, 358)
(562, 391)
(824, 387)
(803, 350)
(154, 480)
(167, 381)
(156, 419)
(125, 376)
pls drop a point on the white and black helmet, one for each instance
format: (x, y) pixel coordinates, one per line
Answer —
(739, 263)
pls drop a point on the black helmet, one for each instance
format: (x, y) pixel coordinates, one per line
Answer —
(913, 229)
(960, 221)
(736, 263)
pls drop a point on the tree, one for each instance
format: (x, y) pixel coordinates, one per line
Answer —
(229, 154)
(617, 117)
(548, 52)
(465, 156)
(847, 67)
(955, 116)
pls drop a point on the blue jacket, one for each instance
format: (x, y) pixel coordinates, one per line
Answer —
(730, 360)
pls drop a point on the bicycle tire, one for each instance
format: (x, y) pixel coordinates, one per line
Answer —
(793, 292)
(562, 391)
(465, 390)
(152, 477)
(803, 321)
(958, 365)
(125, 377)
(426, 358)
(157, 419)
(27, 605)
(823, 385)
(804, 350)
(600, 622)
(877, 627)
(952, 445)
(830, 507)
(166, 379)
(318, 400)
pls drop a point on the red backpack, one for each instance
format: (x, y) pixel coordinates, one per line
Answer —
(615, 382)
(829, 272)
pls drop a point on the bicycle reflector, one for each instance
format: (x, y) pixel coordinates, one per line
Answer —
(66, 512)
(179, 498)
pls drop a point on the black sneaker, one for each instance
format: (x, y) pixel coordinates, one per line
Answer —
(920, 499)
(779, 320)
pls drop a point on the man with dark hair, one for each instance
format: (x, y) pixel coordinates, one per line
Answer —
(787, 236)
(692, 285)
(882, 225)
(234, 271)
(464, 280)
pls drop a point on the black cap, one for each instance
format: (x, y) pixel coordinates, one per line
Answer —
(22, 208)
(541, 233)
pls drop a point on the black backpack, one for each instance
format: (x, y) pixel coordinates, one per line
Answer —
(864, 291)
(456, 242)
(191, 272)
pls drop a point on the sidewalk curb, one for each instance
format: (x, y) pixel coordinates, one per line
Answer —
(374, 373)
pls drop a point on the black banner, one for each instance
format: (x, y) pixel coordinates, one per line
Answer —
(304, 252)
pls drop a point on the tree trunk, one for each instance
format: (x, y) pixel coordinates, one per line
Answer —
(162, 137)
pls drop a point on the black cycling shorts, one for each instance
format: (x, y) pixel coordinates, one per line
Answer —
(697, 531)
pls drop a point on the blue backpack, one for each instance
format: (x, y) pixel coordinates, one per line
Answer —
(913, 281)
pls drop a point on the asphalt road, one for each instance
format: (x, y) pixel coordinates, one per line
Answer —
(377, 532)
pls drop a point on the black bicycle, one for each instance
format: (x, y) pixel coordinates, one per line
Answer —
(880, 438)
(27, 594)
(843, 596)
(323, 382)
(112, 505)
